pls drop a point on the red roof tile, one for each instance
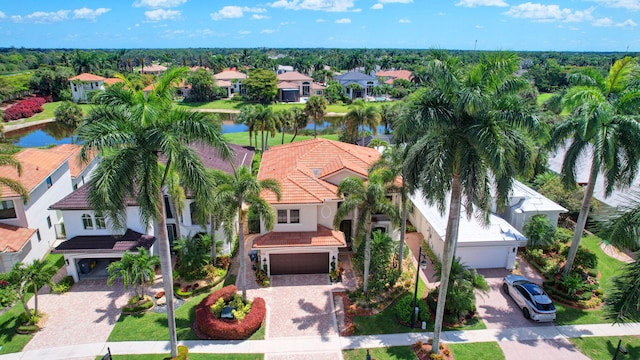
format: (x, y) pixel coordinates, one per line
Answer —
(73, 151)
(287, 85)
(396, 74)
(111, 81)
(230, 75)
(293, 76)
(321, 237)
(13, 238)
(87, 77)
(37, 165)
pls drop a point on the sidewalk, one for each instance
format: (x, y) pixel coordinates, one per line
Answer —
(318, 344)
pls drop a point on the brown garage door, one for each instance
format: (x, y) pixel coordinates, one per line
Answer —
(317, 263)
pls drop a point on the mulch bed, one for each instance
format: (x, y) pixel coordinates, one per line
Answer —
(423, 351)
(351, 311)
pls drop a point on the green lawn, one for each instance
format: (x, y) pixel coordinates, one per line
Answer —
(11, 341)
(192, 356)
(608, 266)
(242, 138)
(386, 353)
(48, 113)
(477, 351)
(542, 97)
(603, 348)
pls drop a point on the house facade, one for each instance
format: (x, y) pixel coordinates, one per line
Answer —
(524, 203)
(303, 239)
(293, 85)
(29, 230)
(82, 85)
(231, 80)
(357, 85)
(390, 76)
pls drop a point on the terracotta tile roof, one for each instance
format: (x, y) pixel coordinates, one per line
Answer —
(87, 77)
(37, 165)
(396, 74)
(321, 237)
(293, 76)
(148, 87)
(111, 81)
(302, 168)
(73, 151)
(154, 68)
(224, 83)
(13, 238)
(230, 75)
(316, 86)
(131, 240)
(287, 85)
(194, 68)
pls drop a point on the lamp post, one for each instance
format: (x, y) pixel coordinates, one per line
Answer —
(619, 349)
(414, 313)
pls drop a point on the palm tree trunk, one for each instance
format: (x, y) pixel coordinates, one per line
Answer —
(450, 242)
(26, 306)
(35, 299)
(295, 133)
(167, 274)
(315, 134)
(242, 271)
(212, 221)
(582, 218)
(262, 136)
(362, 133)
(403, 230)
(367, 257)
(281, 143)
(250, 137)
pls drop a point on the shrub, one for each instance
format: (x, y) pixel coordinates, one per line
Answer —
(24, 108)
(404, 309)
(564, 235)
(135, 306)
(183, 353)
(551, 268)
(539, 231)
(217, 307)
(63, 285)
(69, 114)
(27, 329)
(585, 259)
(221, 329)
(572, 283)
(593, 302)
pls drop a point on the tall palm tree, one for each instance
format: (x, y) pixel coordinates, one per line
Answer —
(248, 117)
(135, 269)
(286, 120)
(388, 114)
(299, 121)
(7, 159)
(237, 189)
(316, 110)
(368, 199)
(467, 134)
(29, 278)
(361, 115)
(392, 160)
(604, 123)
(133, 130)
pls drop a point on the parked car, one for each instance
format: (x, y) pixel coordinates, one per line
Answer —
(530, 297)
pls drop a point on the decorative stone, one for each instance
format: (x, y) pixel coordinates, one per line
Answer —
(161, 301)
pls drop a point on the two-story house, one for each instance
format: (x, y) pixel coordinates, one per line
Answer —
(28, 230)
(303, 240)
(231, 80)
(293, 85)
(356, 84)
(81, 85)
(92, 242)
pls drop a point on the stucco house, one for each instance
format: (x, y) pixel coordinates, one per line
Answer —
(28, 230)
(303, 240)
(231, 80)
(91, 242)
(81, 85)
(153, 69)
(389, 76)
(524, 203)
(293, 85)
(356, 84)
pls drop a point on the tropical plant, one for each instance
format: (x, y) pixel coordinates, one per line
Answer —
(237, 189)
(299, 121)
(316, 110)
(69, 114)
(461, 290)
(467, 130)
(133, 130)
(7, 159)
(368, 199)
(193, 255)
(28, 279)
(604, 124)
(539, 231)
(623, 300)
(135, 270)
(248, 117)
(361, 116)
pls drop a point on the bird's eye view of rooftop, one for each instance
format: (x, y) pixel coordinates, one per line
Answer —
(319, 180)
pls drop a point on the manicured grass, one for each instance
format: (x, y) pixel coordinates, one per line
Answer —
(48, 113)
(192, 356)
(242, 138)
(566, 315)
(477, 351)
(603, 348)
(11, 341)
(386, 353)
(542, 97)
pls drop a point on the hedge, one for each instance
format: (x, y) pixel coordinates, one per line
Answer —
(24, 108)
(222, 329)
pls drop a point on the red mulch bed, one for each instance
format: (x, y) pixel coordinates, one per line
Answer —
(351, 311)
(423, 351)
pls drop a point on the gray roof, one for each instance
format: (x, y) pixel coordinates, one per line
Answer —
(354, 76)
(129, 241)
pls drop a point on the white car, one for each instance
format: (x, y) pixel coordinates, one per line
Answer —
(530, 297)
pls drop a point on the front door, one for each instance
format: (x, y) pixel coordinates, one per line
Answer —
(345, 227)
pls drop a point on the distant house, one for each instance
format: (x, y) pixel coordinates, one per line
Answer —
(91, 242)
(29, 230)
(153, 69)
(524, 203)
(303, 240)
(111, 81)
(356, 84)
(389, 77)
(81, 85)
(231, 80)
(283, 69)
(293, 85)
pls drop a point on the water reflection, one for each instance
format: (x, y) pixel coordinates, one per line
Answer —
(52, 133)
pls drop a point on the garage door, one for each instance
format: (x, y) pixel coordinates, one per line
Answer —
(316, 263)
(483, 257)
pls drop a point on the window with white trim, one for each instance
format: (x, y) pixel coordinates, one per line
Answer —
(87, 222)
(282, 216)
(100, 222)
(294, 216)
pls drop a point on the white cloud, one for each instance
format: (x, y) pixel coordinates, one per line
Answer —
(404, 21)
(377, 6)
(260, 17)
(267, 31)
(477, 3)
(159, 3)
(316, 5)
(2, 15)
(441, 14)
(607, 22)
(234, 12)
(160, 14)
(395, 1)
(321, 20)
(89, 14)
(479, 27)
(42, 17)
(343, 21)
(547, 13)
(244, 32)
(633, 5)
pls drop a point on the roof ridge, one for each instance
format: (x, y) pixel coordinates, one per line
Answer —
(302, 187)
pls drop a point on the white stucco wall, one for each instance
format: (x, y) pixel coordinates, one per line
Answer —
(74, 227)
(308, 218)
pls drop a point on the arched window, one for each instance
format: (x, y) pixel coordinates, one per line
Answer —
(87, 222)
(100, 222)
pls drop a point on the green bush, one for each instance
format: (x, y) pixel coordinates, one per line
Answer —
(563, 235)
(572, 283)
(7, 296)
(183, 353)
(217, 307)
(539, 231)
(404, 309)
(69, 114)
(585, 259)
(27, 329)
(63, 285)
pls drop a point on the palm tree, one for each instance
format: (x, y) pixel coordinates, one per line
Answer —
(604, 123)
(316, 109)
(135, 269)
(7, 159)
(391, 161)
(247, 117)
(465, 132)
(367, 199)
(286, 120)
(299, 121)
(29, 278)
(236, 190)
(388, 113)
(361, 115)
(133, 130)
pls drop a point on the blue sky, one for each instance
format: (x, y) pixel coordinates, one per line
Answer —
(577, 25)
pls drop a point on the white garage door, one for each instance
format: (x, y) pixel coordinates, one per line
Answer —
(484, 257)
